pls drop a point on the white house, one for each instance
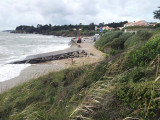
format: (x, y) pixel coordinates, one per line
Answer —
(139, 23)
(107, 28)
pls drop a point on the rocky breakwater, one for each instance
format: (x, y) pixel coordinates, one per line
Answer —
(53, 56)
(74, 51)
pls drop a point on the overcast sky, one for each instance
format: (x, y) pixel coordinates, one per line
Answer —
(60, 12)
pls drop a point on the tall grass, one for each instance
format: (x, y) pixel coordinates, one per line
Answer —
(118, 43)
(145, 54)
(106, 38)
(138, 39)
(53, 96)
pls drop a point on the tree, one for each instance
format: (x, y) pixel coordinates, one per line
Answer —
(39, 25)
(157, 13)
(115, 25)
(80, 24)
(91, 26)
(101, 24)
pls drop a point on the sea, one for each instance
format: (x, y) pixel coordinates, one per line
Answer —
(18, 46)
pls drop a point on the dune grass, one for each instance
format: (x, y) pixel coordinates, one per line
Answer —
(106, 38)
(53, 96)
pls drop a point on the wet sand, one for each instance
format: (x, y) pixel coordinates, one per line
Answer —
(37, 70)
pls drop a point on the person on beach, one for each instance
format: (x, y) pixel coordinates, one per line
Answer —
(79, 40)
(72, 60)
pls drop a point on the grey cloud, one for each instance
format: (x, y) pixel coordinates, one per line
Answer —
(32, 12)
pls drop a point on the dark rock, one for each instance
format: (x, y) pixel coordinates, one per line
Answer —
(85, 54)
(71, 56)
(62, 57)
(52, 57)
(83, 51)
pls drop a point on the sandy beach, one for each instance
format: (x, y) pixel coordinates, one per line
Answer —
(37, 70)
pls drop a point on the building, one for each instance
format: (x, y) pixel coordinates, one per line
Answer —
(98, 28)
(153, 24)
(107, 28)
(139, 23)
(128, 24)
(120, 28)
(74, 29)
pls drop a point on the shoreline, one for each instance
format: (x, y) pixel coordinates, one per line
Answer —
(37, 70)
(59, 33)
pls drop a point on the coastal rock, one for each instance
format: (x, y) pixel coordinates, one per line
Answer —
(62, 57)
(76, 54)
(65, 55)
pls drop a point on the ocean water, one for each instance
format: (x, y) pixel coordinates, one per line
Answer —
(18, 46)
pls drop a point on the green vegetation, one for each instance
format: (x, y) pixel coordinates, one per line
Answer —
(112, 52)
(138, 39)
(157, 14)
(139, 27)
(145, 54)
(52, 97)
(91, 54)
(106, 38)
(118, 43)
(69, 33)
(157, 25)
(106, 55)
(125, 85)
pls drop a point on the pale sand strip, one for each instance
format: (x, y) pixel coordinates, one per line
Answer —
(37, 70)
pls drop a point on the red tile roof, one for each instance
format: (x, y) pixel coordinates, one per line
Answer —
(139, 23)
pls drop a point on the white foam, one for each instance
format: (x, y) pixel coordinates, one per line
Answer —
(50, 48)
(15, 58)
(10, 71)
(15, 47)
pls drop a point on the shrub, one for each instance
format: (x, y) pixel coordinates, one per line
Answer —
(158, 29)
(144, 35)
(138, 74)
(157, 25)
(107, 56)
(145, 54)
(91, 54)
(141, 98)
(118, 43)
(112, 52)
(139, 27)
(138, 39)
(107, 37)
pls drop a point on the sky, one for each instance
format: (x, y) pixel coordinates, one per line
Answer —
(60, 12)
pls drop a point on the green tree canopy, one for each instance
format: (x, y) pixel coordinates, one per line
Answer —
(157, 13)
